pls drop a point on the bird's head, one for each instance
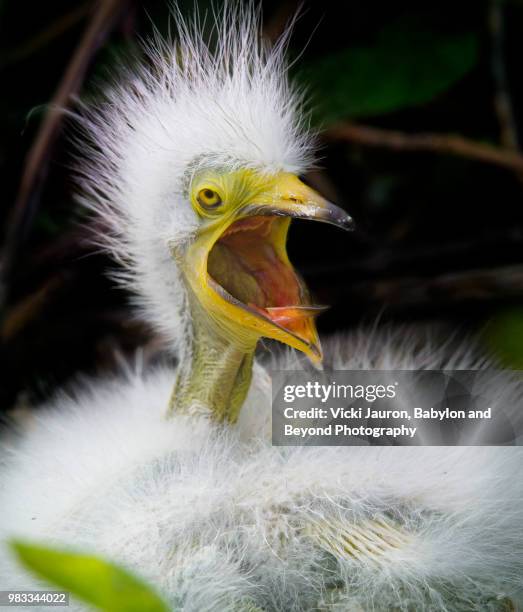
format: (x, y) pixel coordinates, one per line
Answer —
(236, 265)
(193, 163)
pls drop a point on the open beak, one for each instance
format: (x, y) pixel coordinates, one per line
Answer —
(246, 279)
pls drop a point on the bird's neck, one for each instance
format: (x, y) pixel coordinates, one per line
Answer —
(215, 373)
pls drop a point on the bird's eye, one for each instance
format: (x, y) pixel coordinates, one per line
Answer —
(209, 199)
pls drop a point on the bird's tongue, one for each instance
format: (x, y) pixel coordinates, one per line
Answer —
(297, 319)
(246, 263)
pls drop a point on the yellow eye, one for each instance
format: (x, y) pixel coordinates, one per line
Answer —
(209, 199)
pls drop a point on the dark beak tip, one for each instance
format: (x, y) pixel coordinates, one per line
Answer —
(344, 221)
(339, 217)
(348, 224)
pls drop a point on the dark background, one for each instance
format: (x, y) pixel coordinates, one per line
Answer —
(422, 109)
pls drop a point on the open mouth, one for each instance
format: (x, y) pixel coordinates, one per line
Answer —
(248, 267)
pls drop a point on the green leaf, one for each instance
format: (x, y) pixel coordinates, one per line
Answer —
(99, 583)
(407, 66)
(504, 336)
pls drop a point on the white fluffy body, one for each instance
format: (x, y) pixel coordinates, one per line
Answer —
(218, 519)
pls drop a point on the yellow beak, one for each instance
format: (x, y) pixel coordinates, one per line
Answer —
(290, 197)
(241, 274)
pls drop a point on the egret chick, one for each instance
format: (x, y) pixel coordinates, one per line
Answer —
(192, 162)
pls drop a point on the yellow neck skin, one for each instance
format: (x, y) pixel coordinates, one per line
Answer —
(217, 375)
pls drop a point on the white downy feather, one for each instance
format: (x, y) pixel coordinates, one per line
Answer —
(216, 517)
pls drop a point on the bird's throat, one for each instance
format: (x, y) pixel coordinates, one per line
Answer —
(214, 377)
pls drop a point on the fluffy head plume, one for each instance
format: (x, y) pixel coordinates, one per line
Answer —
(187, 104)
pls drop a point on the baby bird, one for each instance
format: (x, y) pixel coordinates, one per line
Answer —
(192, 163)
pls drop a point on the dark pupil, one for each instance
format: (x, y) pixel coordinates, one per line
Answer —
(209, 194)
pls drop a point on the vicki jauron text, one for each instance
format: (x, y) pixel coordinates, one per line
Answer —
(391, 407)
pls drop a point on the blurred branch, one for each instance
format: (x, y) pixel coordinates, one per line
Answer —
(57, 28)
(492, 284)
(495, 248)
(35, 171)
(449, 144)
(27, 309)
(280, 19)
(502, 100)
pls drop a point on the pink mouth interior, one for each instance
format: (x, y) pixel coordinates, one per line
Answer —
(246, 264)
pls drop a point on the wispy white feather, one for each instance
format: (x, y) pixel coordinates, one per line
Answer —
(185, 104)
